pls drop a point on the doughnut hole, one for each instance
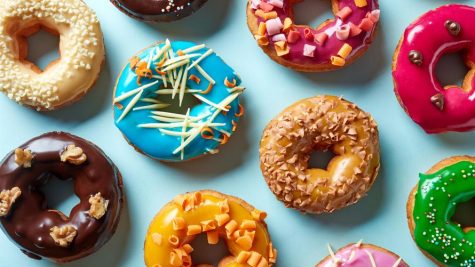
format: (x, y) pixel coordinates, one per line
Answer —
(319, 159)
(452, 70)
(312, 13)
(189, 101)
(36, 45)
(59, 194)
(206, 254)
(465, 215)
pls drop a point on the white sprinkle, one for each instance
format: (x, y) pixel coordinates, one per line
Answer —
(133, 92)
(154, 106)
(206, 54)
(373, 263)
(209, 102)
(205, 74)
(193, 49)
(130, 105)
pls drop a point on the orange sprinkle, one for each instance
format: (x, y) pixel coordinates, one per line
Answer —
(157, 239)
(263, 263)
(210, 86)
(193, 229)
(234, 125)
(161, 62)
(338, 61)
(213, 237)
(187, 248)
(180, 53)
(224, 206)
(258, 215)
(281, 48)
(197, 197)
(243, 257)
(173, 240)
(179, 223)
(224, 139)
(119, 105)
(254, 259)
(222, 219)
(207, 133)
(361, 3)
(262, 29)
(134, 61)
(287, 24)
(208, 225)
(240, 113)
(248, 224)
(194, 78)
(230, 84)
(175, 260)
(230, 227)
(245, 242)
(345, 50)
(262, 40)
(272, 253)
(266, 15)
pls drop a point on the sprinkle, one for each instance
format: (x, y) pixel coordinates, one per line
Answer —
(163, 50)
(154, 106)
(193, 229)
(135, 91)
(201, 58)
(361, 3)
(183, 131)
(205, 74)
(338, 61)
(209, 102)
(130, 105)
(345, 50)
(193, 49)
(373, 263)
(396, 264)
(194, 78)
(344, 13)
(179, 124)
(157, 239)
(213, 237)
(281, 48)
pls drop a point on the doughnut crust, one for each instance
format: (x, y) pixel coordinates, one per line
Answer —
(320, 123)
(81, 49)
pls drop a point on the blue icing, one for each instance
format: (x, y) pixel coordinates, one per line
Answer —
(161, 145)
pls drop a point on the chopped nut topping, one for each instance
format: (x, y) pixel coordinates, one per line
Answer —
(98, 206)
(64, 235)
(7, 199)
(23, 157)
(74, 155)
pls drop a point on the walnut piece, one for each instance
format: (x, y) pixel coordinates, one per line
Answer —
(98, 206)
(64, 235)
(7, 199)
(23, 157)
(74, 155)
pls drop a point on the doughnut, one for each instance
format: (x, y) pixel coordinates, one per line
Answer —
(436, 108)
(320, 123)
(42, 232)
(63, 81)
(432, 204)
(333, 45)
(158, 10)
(218, 216)
(153, 85)
(359, 254)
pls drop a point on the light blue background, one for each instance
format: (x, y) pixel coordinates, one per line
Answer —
(380, 218)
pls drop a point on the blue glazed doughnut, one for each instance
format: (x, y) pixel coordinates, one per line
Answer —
(159, 77)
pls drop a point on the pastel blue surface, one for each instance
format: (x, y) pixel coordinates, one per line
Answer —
(161, 146)
(380, 218)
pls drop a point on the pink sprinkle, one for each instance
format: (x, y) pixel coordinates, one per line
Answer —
(274, 26)
(344, 13)
(255, 4)
(366, 24)
(309, 50)
(354, 30)
(374, 16)
(276, 3)
(266, 7)
(321, 38)
(342, 32)
(293, 37)
(279, 37)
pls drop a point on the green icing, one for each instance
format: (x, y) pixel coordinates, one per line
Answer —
(435, 202)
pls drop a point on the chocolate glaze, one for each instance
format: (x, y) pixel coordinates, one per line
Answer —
(158, 10)
(29, 221)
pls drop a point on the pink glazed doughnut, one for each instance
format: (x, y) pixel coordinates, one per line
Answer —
(362, 255)
(334, 44)
(435, 108)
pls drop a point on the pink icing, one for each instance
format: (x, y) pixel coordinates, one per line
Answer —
(332, 45)
(361, 258)
(415, 85)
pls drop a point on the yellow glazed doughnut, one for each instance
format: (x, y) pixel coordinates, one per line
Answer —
(320, 123)
(81, 48)
(218, 216)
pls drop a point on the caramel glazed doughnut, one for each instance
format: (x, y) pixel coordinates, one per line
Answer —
(216, 215)
(81, 48)
(24, 213)
(320, 123)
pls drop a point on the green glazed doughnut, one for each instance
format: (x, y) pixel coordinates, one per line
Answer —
(430, 209)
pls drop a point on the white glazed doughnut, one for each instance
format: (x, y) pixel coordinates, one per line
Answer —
(81, 48)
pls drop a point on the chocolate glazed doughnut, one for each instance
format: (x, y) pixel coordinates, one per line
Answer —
(24, 213)
(158, 10)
